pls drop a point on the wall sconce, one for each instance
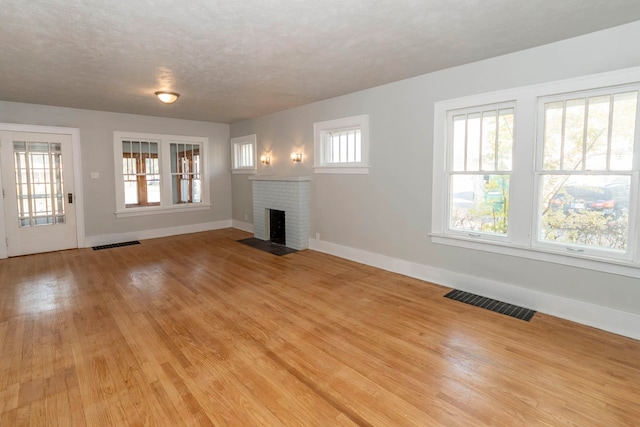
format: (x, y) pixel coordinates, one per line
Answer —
(167, 97)
(296, 157)
(265, 160)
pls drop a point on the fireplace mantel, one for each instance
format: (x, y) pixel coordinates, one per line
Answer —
(279, 178)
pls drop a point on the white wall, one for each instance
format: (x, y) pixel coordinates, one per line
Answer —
(96, 140)
(388, 212)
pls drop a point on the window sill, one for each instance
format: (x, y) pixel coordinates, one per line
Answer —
(355, 170)
(157, 210)
(606, 265)
(244, 171)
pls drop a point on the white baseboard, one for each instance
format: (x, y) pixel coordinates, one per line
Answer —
(107, 239)
(244, 226)
(605, 318)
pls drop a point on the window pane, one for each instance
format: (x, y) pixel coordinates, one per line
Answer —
(489, 133)
(553, 112)
(479, 203)
(597, 133)
(505, 139)
(459, 137)
(473, 142)
(573, 147)
(587, 210)
(623, 130)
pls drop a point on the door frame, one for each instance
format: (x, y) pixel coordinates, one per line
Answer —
(77, 177)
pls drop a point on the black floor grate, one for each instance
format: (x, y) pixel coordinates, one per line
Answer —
(116, 245)
(491, 304)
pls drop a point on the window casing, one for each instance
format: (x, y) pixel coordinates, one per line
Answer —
(573, 186)
(243, 154)
(159, 173)
(342, 145)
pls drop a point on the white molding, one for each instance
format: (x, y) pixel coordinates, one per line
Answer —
(352, 170)
(107, 239)
(279, 178)
(159, 210)
(241, 225)
(597, 316)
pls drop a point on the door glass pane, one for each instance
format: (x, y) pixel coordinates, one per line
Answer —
(39, 185)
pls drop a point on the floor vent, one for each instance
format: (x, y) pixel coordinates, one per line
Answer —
(491, 304)
(116, 245)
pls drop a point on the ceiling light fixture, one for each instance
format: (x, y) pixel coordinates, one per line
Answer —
(167, 97)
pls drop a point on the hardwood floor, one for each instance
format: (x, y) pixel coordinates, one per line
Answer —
(201, 330)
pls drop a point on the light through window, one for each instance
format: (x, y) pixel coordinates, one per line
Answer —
(185, 173)
(141, 172)
(587, 162)
(39, 185)
(480, 170)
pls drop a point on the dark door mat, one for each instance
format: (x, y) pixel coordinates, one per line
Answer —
(115, 245)
(491, 304)
(267, 246)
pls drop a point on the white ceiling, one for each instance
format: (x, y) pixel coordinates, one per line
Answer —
(237, 59)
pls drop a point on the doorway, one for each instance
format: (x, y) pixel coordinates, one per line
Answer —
(40, 202)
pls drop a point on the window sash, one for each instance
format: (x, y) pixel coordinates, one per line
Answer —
(480, 147)
(584, 219)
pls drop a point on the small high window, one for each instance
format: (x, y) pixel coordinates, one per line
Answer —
(342, 145)
(243, 153)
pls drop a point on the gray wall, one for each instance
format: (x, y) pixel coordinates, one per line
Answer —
(388, 211)
(96, 140)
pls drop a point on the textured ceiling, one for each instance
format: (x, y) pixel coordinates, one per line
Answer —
(237, 59)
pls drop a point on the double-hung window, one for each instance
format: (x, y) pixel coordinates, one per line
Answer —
(342, 145)
(548, 172)
(159, 173)
(479, 169)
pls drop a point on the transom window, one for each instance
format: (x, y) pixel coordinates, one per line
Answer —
(159, 173)
(548, 172)
(342, 145)
(243, 154)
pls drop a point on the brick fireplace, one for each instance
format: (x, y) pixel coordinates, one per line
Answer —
(290, 194)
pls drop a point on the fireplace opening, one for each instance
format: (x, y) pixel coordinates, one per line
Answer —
(277, 227)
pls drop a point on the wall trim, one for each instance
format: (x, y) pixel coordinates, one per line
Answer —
(241, 225)
(107, 239)
(597, 316)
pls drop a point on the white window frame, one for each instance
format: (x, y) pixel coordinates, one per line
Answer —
(321, 132)
(449, 170)
(523, 222)
(164, 146)
(236, 148)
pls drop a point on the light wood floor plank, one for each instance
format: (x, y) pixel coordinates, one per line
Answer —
(200, 330)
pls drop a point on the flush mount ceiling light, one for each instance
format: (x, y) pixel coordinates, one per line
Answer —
(167, 97)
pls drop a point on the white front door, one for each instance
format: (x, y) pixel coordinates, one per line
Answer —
(37, 176)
